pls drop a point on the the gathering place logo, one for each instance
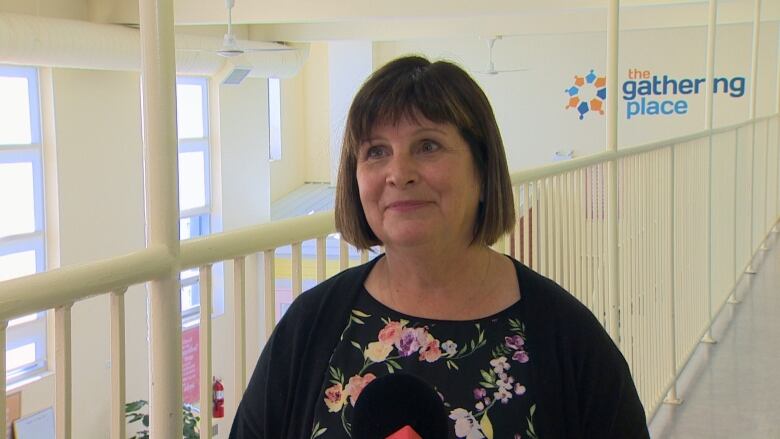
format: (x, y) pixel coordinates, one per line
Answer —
(647, 94)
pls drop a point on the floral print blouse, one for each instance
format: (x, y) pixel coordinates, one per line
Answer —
(480, 368)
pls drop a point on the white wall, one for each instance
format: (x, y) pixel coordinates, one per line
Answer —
(289, 172)
(317, 120)
(349, 63)
(245, 200)
(99, 160)
(530, 106)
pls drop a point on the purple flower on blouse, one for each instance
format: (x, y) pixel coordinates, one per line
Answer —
(521, 356)
(514, 342)
(408, 343)
(479, 393)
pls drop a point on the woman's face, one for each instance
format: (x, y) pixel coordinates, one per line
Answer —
(418, 184)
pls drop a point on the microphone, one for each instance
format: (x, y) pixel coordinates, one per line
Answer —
(399, 406)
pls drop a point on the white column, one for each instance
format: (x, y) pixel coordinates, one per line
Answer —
(708, 100)
(3, 396)
(162, 213)
(613, 30)
(751, 116)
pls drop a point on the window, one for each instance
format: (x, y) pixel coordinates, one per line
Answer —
(194, 181)
(22, 234)
(274, 119)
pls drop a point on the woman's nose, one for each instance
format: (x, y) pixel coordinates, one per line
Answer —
(402, 171)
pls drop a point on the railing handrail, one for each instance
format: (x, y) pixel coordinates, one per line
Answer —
(254, 239)
(539, 172)
(64, 285)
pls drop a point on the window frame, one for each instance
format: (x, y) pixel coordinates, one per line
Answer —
(34, 331)
(202, 214)
(274, 106)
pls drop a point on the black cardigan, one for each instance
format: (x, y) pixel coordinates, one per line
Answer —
(584, 386)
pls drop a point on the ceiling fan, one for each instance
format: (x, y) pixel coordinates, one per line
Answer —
(491, 70)
(230, 47)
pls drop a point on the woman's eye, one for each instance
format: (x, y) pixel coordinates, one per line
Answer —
(429, 146)
(373, 152)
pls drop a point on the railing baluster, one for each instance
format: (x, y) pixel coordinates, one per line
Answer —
(239, 327)
(526, 232)
(343, 254)
(3, 388)
(118, 368)
(63, 377)
(322, 259)
(205, 352)
(535, 239)
(297, 270)
(270, 292)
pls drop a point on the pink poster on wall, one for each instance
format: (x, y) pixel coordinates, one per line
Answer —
(190, 373)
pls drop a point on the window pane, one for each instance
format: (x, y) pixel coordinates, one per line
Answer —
(17, 199)
(275, 118)
(185, 228)
(24, 319)
(189, 111)
(17, 264)
(14, 111)
(21, 356)
(190, 298)
(192, 180)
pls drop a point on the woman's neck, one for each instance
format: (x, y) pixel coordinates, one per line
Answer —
(445, 284)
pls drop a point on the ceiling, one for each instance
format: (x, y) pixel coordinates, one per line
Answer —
(323, 20)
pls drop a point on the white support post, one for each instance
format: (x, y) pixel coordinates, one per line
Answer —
(613, 36)
(708, 111)
(733, 297)
(322, 259)
(752, 117)
(671, 397)
(118, 384)
(270, 292)
(297, 269)
(158, 84)
(205, 352)
(63, 387)
(3, 396)
(239, 327)
(343, 254)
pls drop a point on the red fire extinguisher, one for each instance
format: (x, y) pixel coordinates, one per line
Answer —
(218, 391)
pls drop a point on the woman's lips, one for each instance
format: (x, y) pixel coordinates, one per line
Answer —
(405, 206)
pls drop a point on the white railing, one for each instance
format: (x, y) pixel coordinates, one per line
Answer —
(680, 258)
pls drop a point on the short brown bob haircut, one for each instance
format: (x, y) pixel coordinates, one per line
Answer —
(441, 92)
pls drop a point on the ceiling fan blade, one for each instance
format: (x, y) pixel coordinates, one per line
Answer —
(270, 49)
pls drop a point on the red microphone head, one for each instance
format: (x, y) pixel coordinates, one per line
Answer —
(405, 433)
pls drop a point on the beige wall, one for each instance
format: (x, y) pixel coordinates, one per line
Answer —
(530, 105)
(99, 161)
(100, 189)
(316, 114)
(289, 173)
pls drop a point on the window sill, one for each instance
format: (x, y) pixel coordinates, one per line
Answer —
(29, 380)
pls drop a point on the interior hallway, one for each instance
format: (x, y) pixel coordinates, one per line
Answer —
(732, 389)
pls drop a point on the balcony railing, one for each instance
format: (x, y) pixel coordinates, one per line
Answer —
(691, 214)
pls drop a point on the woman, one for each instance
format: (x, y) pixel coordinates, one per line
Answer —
(511, 354)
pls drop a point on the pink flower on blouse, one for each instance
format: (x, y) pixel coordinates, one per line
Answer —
(335, 396)
(430, 352)
(356, 385)
(391, 333)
